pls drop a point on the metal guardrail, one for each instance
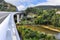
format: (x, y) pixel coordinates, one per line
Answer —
(7, 27)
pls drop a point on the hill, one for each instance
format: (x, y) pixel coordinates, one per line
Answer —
(48, 7)
(7, 7)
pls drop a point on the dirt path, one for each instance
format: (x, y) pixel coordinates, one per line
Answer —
(42, 28)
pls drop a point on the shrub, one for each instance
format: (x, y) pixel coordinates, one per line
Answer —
(29, 34)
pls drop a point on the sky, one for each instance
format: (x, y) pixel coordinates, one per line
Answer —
(23, 4)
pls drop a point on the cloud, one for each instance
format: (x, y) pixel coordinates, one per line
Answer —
(25, 0)
(23, 4)
(55, 2)
(21, 7)
(20, 4)
(50, 2)
(13, 2)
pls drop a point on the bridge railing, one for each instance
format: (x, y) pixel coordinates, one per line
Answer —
(8, 28)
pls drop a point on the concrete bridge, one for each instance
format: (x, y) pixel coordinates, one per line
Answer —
(3, 15)
(8, 29)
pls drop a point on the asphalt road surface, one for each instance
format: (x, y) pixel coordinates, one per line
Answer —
(3, 15)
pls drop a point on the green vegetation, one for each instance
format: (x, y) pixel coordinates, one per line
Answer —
(45, 17)
(28, 33)
(46, 23)
(7, 7)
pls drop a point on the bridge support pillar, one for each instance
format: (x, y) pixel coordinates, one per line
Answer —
(18, 19)
(21, 17)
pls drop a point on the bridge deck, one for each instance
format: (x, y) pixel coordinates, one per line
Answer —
(3, 16)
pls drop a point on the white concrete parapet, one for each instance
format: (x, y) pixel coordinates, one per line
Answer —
(7, 27)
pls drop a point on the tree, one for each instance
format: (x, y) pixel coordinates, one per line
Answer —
(4, 7)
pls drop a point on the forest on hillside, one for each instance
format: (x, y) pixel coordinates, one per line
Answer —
(42, 17)
(7, 7)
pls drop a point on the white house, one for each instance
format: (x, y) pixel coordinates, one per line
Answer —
(58, 12)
